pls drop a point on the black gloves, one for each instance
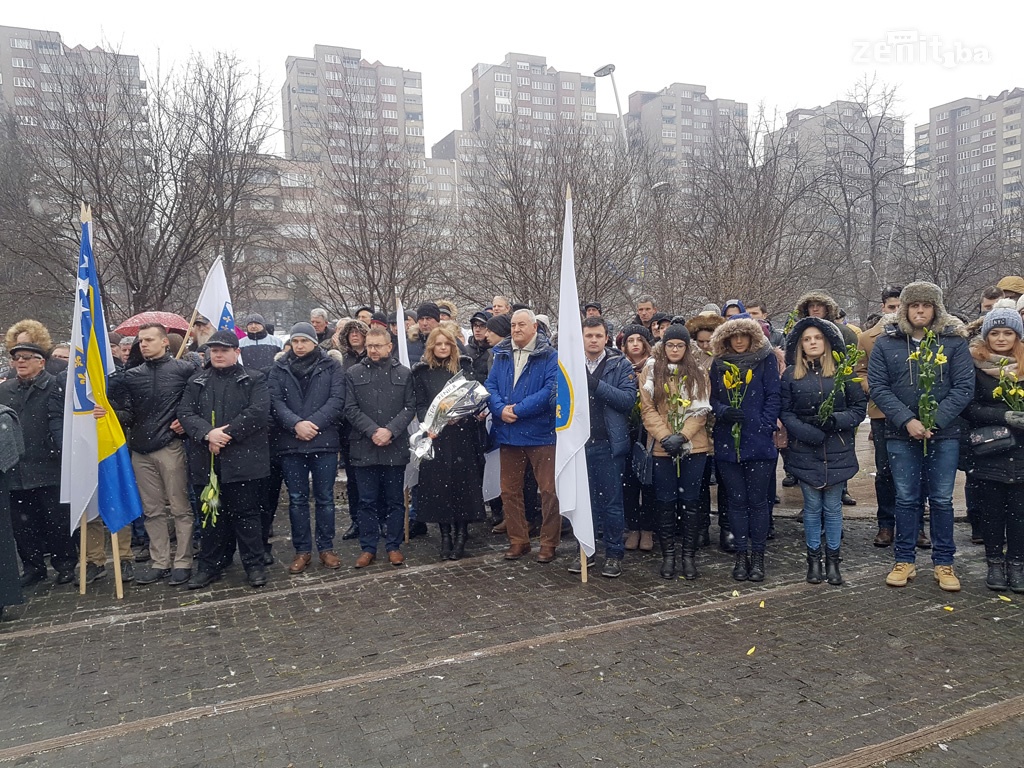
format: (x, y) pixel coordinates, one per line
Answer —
(733, 416)
(673, 444)
(829, 425)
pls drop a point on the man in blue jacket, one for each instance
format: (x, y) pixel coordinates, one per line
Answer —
(307, 397)
(522, 383)
(893, 376)
(612, 388)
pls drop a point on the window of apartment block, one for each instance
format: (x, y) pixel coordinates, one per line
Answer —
(525, 111)
(502, 77)
(415, 116)
(545, 100)
(549, 86)
(350, 62)
(389, 114)
(413, 130)
(988, 162)
(20, 42)
(332, 58)
(588, 101)
(389, 97)
(568, 115)
(523, 65)
(27, 120)
(668, 134)
(387, 81)
(499, 107)
(523, 81)
(589, 116)
(21, 63)
(568, 86)
(502, 93)
(24, 101)
(569, 100)
(24, 82)
(391, 130)
(589, 86)
(942, 130)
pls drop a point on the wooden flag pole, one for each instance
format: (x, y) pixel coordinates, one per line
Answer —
(406, 494)
(583, 566)
(118, 583)
(81, 552)
(184, 342)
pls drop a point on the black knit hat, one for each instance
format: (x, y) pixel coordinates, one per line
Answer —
(428, 309)
(480, 317)
(500, 325)
(634, 329)
(677, 332)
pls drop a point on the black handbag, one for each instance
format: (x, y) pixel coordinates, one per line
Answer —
(642, 458)
(991, 439)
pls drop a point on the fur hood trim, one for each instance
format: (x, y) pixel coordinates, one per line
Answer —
(346, 329)
(737, 327)
(818, 297)
(703, 323)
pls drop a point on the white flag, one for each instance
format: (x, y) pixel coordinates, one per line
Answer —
(572, 419)
(215, 300)
(412, 469)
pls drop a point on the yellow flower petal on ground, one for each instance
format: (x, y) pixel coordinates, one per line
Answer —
(761, 604)
(751, 651)
(735, 593)
(1005, 599)
(947, 607)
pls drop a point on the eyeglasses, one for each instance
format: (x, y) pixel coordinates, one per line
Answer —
(676, 347)
(23, 358)
(376, 346)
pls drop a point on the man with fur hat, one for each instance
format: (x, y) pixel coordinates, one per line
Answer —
(894, 377)
(1012, 287)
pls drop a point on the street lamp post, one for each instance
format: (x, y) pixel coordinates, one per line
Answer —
(608, 70)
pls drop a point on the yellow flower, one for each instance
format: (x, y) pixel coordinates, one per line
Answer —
(940, 359)
(847, 371)
(836, 356)
(857, 380)
(727, 380)
(915, 355)
(997, 392)
(686, 403)
(750, 375)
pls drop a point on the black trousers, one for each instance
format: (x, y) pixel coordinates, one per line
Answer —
(270, 494)
(42, 524)
(238, 519)
(1002, 518)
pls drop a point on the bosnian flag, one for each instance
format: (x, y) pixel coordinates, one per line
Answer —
(96, 476)
(215, 300)
(572, 417)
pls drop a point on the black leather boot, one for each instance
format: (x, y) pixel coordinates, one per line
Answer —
(726, 541)
(814, 566)
(832, 561)
(741, 570)
(688, 549)
(446, 541)
(996, 578)
(459, 547)
(665, 513)
(756, 566)
(1015, 575)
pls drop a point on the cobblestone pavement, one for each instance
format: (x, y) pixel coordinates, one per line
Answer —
(1000, 746)
(485, 662)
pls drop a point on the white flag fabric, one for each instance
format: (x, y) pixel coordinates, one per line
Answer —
(215, 300)
(412, 469)
(572, 418)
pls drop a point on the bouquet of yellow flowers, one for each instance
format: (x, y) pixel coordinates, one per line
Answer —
(845, 363)
(736, 385)
(677, 405)
(210, 497)
(1009, 389)
(928, 360)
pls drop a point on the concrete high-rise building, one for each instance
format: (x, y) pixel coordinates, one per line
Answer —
(684, 121)
(34, 62)
(968, 155)
(336, 99)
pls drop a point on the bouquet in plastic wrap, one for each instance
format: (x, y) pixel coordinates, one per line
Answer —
(459, 397)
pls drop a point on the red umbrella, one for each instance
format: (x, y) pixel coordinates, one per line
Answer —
(168, 320)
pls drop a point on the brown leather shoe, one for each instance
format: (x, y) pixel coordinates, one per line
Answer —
(365, 559)
(396, 558)
(330, 560)
(499, 528)
(300, 563)
(884, 538)
(515, 551)
(546, 554)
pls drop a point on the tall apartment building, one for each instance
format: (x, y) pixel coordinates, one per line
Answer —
(684, 121)
(336, 99)
(33, 62)
(968, 155)
(840, 133)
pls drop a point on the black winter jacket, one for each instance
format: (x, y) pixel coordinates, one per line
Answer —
(380, 395)
(40, 408)
(241, 402)
(146, 400)
(816, 457)
(984, 409)
(323, 404)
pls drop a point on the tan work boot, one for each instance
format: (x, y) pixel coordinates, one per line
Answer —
(632, 540)
(900, 574)
(948, 582)
(646, 541)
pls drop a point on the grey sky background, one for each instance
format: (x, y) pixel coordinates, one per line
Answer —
(784, 54)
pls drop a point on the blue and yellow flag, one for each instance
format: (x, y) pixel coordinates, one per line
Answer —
(96, 468)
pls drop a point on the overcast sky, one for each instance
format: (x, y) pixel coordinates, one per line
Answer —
(785, 54)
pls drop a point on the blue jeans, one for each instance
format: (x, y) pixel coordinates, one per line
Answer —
(605, 472)
(939, 469)
(829, 500)
(746, 485)
(381, 489)
(297, 469)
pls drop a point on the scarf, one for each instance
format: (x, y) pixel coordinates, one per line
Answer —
(747, 360)
(990, 365)
(303, 367)
(697, 407)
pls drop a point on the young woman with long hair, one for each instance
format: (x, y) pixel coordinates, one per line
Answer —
(637, 500)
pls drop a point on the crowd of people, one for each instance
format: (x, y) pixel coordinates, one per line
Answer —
(680, 408)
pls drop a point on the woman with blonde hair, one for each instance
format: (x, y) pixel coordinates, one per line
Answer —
(450, 492)
(822, 453)
(674, 394)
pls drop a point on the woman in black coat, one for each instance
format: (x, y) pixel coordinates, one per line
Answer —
(1001, 475)
(11, 447)
(822, 453)
(450, 490)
